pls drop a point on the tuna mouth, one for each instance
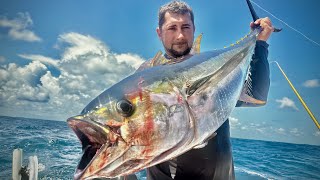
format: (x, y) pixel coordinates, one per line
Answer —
(93, 137)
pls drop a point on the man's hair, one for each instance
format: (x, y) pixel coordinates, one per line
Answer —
(178, 7)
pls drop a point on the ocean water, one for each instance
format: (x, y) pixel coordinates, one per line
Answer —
(59, 151)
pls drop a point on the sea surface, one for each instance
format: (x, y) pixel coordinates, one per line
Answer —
(59, 151)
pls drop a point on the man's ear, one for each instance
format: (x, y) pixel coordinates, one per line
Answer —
(159, 32)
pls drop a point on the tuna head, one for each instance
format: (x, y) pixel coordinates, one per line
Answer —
(129, 126)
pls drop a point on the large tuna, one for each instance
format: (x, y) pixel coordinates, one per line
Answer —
(163, 111)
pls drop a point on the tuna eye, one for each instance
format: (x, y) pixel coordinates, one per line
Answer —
(125, 108)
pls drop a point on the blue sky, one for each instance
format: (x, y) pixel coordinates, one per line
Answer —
(55, 56)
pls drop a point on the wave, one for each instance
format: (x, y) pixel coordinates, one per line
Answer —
(253, 173)
(59, 150)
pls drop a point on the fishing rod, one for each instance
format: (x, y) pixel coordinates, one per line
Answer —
(255, 17)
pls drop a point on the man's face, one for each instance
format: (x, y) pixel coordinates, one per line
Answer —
(176, 34)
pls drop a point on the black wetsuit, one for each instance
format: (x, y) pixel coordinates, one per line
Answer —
(214, 161)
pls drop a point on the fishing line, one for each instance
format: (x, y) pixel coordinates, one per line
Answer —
(286, 24)
(299, 97)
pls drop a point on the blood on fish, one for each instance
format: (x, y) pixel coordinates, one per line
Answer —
(113, 123)
(140, 87)
(179, 99)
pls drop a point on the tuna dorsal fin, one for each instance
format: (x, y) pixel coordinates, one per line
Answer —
(158, 59)
(196, 45)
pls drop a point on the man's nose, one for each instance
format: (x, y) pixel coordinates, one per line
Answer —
(180, 34)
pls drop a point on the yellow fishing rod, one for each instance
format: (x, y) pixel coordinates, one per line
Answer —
(299, 97)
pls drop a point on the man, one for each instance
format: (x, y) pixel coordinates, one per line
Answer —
(214, 161)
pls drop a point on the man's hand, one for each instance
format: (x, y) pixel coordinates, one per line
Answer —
(266, 26)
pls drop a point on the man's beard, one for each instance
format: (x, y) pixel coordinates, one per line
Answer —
(177, 54)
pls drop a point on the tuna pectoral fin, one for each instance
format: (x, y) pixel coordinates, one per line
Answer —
(196, 85)
(232, 65)
(205, 142)
(245, 99)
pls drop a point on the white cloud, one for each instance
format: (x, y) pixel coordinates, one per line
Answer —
(312, 83)
(237, 125)
(257, 127)
(286, 102)
(94, 56)
(132, 59)
(261, 130)
(244, 127)
(281, 131)
(18, 27)
(317, 133)
(234, 122)
(79, 45)
(296, 132)
(22, 84)
(2, 59)
(34, 94)
(86, 68)
(42, 59)
(25, 35)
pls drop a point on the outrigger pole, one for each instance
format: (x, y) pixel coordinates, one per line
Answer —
(20, 172)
